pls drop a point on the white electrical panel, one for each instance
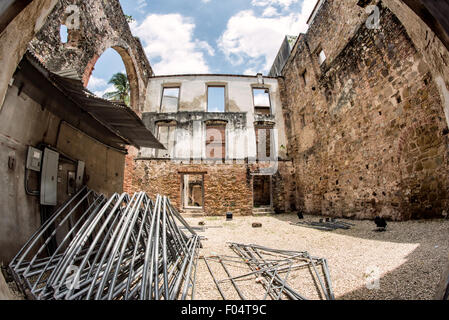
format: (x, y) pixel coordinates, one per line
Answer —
(49, 178)
(80, 174)
(34, 159)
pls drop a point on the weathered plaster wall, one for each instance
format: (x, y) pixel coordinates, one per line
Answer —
(104, 165)
(102, 26)
(191, 135)
(23, 123)
(239, 99)
(15, 38)
(367, 131)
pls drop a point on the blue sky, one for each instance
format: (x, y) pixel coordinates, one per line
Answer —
(207, 36)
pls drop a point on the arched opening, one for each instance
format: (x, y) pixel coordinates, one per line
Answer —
(101, 70)
(64, 33)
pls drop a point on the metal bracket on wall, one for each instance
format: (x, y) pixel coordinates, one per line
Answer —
(11, 162)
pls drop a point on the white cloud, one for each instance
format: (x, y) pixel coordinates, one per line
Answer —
(282, 3)
(169, 40)
(250, 72)
(255, 40)
(205, 1)
(101, 93)
(95, 83)
(270, 12)
(205, 46)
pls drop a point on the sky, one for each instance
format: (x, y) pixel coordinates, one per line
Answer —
(207, 36)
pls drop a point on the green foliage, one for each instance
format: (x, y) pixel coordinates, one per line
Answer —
(129, 18)
(122, 92)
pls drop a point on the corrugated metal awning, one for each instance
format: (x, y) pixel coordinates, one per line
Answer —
(119, 119)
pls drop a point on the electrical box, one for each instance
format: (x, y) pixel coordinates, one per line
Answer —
(49, 178)
(34, 159)
(71, 177)
(79, 175)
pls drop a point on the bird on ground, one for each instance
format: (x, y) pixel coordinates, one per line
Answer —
(381, 223)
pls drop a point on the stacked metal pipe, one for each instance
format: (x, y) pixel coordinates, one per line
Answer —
(121, 248)
(325, 225)
(273, 269)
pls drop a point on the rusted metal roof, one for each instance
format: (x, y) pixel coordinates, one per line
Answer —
(119, 119)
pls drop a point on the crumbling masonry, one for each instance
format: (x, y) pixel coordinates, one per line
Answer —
(367, 127)
(355, 119)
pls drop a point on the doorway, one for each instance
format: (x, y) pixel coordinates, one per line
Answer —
(193, 191)
(262, 191)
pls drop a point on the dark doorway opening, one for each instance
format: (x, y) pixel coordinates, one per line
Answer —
(193, 191)
(262, 191)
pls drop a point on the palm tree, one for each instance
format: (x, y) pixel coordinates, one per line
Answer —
(121, 84)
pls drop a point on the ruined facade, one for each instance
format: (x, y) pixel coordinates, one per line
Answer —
(226, 149)
(359, 124)
(103, 26)
(366, 117)
(365, 109)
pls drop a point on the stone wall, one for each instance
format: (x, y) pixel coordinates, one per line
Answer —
(227, 187)
(284, 188)
(102, 26)
(367, 129)
(431, 49)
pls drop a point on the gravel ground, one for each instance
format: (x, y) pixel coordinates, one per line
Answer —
(409, 257)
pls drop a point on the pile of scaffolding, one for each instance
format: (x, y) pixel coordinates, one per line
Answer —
(272, 269)
(328, 225)
(121, 248)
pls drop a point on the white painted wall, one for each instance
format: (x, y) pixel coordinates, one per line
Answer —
(239, 98)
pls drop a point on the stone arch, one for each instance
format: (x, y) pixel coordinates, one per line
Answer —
(130, 71)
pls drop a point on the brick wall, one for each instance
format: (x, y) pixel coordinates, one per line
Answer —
(227, 187)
